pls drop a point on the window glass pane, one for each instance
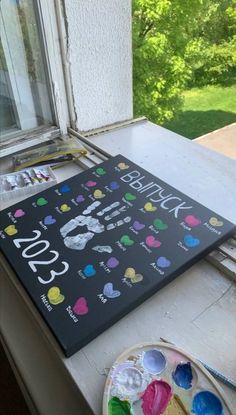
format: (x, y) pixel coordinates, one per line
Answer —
(24, 97)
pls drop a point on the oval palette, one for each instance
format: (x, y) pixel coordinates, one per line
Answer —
(157, 378)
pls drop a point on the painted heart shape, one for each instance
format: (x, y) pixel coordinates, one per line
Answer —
(81, 308)
(129, 197)
(42, 201)
(19, 213)
(65, 188)
(100, 171)
(98, 194)
(90, 183)
(215, 222)
(152, 242)
(80, 199)
(54, 296)
(138, 226)
(65, 208)
(137, 278)
(89, 271)
(192, 221)
(112, 262)
(130, 273)
(163, 262)
(123, 166)
(109, 292)
(149, 207)
(159, 225)
(190, 241)
(114, 186)
(10, 230)
(125, 240)
(49, 220)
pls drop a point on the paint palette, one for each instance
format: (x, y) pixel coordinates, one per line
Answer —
(92, 248)
(158, 378)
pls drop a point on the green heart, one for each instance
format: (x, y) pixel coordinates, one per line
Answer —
(125, 240)
(41, 201)
(129, 196)
(100, 171)
(160, 225)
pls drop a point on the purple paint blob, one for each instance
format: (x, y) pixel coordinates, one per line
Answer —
(156, 398)
(206, 403)
(154, 361)
(80, 198)
(49, 220)
(112, 262)
(138, 226)
(163, 262)
(183, 375)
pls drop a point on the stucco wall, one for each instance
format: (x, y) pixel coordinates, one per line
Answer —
(100, 56)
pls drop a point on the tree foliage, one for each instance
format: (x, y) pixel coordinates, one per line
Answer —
(177, 43)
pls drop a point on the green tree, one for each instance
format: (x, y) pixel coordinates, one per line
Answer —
(174, 42)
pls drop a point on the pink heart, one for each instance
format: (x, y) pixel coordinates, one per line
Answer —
(90, 183)
(192, 221)
(152, 242)
(80, 307)
(18, 213)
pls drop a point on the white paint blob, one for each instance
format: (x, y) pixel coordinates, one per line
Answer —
(129, 381)
(154, 361)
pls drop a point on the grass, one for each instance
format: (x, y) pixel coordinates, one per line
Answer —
(205, 109)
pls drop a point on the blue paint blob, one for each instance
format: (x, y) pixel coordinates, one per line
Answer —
(206, 403)
(183, 375)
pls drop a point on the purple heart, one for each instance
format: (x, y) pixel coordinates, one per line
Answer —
(114, 186)
(112, 262)
(138, 226)
(80, 198)
(49, 220)
(163, 262)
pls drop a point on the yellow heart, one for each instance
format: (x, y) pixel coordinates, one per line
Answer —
(11, 230)
(54, 296)
(123, 166)
(130, 273)
(149, 207)
(215, 222)
(65, 208)
(98, 194)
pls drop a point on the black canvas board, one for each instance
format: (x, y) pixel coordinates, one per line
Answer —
(151, 233)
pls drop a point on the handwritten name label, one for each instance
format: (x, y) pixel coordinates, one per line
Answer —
(102, 298)
(71, 314)
(211, 229)
(11, 217)
(160, 271)
(46, 302)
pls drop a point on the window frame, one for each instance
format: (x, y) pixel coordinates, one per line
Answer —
(52, 34)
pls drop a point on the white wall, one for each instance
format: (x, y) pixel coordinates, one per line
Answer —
(99, 51)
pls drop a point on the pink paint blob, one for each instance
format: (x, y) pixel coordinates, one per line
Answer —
(18, 213)
(152, 242)
(80, 308)
(156, 398)
(192, 221)
(90, 183)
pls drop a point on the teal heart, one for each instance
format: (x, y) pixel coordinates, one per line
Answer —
(41, 201)
(100, 171)
(125, 240)
(161, 226)
(129, 197)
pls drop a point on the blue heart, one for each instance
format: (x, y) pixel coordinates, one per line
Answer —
(65, 188)
(89, 271)
(114, 186)
(109, 292)
(49, 220)
(190, 241)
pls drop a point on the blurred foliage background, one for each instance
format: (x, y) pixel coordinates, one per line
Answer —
(179, 45)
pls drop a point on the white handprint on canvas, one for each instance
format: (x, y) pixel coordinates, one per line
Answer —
(93, 225)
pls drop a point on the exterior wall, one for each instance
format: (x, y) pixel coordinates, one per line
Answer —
(99, 52)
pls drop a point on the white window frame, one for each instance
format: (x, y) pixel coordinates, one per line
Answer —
(52, 37)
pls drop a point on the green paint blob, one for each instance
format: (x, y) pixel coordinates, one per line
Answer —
(41, 201)
(100, 171)
(118, 407)
(125, 240)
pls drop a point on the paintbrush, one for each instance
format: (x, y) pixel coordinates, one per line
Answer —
(213, 372)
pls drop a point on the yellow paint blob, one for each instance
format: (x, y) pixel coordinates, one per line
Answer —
(11, 230)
